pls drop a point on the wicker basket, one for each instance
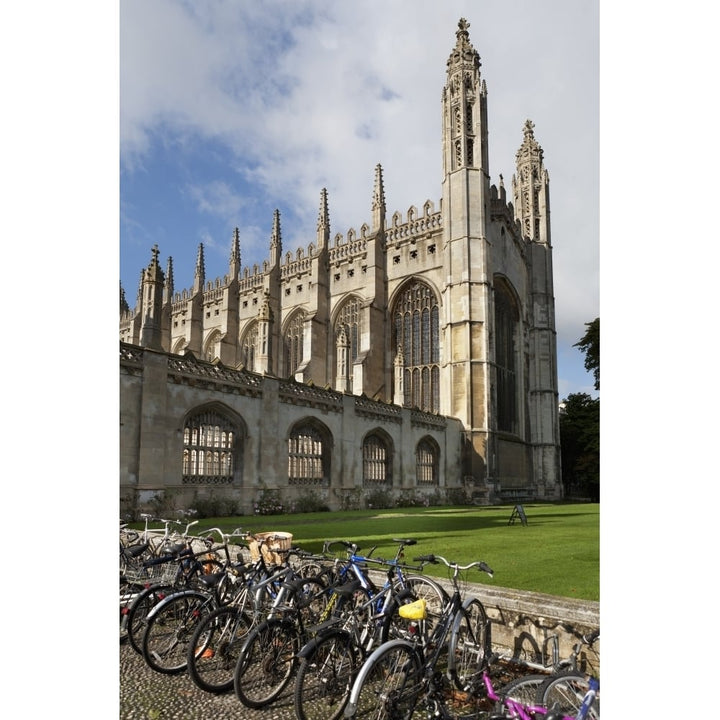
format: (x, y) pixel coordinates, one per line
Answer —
(274, 541)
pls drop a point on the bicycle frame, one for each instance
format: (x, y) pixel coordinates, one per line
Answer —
(520, 711)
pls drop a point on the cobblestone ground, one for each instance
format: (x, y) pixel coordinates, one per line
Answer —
(148, 695)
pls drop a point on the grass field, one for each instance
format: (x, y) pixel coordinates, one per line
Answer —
(557, 552)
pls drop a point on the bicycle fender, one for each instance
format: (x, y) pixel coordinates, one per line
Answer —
(169, 598)
(367, 666)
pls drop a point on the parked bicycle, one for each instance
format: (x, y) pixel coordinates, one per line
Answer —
(402, 674)
(215, 646)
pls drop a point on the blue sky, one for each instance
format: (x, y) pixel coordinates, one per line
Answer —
(229, 110)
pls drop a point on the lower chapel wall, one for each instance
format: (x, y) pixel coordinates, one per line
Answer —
(159, 391)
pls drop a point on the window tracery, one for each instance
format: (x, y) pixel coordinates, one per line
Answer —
(417, 334)
(210, 449)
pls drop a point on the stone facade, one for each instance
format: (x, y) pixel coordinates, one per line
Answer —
(444, 312)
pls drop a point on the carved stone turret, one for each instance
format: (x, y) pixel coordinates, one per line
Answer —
(531, 188)
(152, 294)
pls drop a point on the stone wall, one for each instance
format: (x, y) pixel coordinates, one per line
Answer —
(526, 625)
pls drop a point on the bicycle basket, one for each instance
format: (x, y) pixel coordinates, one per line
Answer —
(273, 541)
(154, 574)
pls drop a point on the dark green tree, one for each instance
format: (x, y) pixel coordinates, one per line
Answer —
(580, 426)
(580, 445)
(590, 345)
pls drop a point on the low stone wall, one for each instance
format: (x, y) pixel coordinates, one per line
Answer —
(527, 625)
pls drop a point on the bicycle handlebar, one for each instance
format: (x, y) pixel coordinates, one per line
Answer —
(436, 559)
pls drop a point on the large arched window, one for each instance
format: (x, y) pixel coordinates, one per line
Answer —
(427, 456)
(506, 329)
(377, 456)
(347, 338)
(211, 449)
(417, 334)
(249, 347)
(309, 455)
(293, 344)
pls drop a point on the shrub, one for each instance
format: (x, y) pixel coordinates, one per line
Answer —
(379, 499)
(269, 503)
(458, 496)
(309, 501)
(216, 507)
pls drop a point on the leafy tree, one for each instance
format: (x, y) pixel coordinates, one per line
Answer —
(590, 345)
(580, 426)
(580, 445)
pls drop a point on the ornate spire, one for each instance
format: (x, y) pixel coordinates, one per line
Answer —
(199, 270)
(530, 150)
(170, 281)
(275, 240)
(276, 235)
(124, 307)
(235, 255)
(531, 188)
(323, 223)
(153, 273)
(464, 107)
(463, 52)
(378, 201)
(152, 293)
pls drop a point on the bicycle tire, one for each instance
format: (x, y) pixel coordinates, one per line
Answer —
(325, 676)
(215, 646)
(522, 689)
(128, 593)
(170, 626)
(310, 597)
(434, 595)
(136, 617)
(566, 691)
(388, 685)
(266, 662)
(468, 646)
(393, 626)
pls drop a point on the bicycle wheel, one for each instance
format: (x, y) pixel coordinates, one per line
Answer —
(215, 647)
(389, 684)
(325, 676)
(169, 629)
(128, 592)
(467, 649)
(310, 596)
(266, 663)
(523, 689)
(567, 691)
(135, 619)
(434, 595)
(393, 626)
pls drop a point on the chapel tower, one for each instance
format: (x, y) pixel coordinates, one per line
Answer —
(467, 287)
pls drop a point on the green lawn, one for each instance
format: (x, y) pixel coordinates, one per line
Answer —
(557, 552)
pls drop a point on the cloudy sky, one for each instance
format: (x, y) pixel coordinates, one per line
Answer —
(229, 110)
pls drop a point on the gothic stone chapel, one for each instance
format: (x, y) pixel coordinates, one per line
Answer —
(415, 356)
